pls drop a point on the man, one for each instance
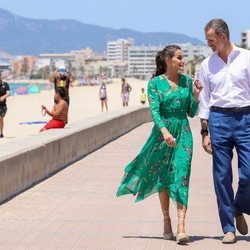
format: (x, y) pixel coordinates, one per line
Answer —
(225, 124)
(59, 113)
(62, 78)
(126, 89)
(4, 93)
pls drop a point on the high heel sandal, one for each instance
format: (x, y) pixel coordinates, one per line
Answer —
(167, 236)
(181, 238)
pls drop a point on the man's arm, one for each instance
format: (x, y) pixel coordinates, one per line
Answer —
(57, 110)
(130, 88)
(206, 142)
(2, 98)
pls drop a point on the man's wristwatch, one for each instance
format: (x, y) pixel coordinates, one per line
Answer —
(204, 131)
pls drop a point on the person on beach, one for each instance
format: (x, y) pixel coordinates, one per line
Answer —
(103, 95)
(143, 96)
(4, 93)
(225, 124)
(125, 91)
(164, 163)
(59, 113)
(62, 78)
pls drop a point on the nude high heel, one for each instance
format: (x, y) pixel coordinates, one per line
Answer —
(181, 238)
(167, 222)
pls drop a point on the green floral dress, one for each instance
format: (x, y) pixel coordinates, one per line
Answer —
(159, 166)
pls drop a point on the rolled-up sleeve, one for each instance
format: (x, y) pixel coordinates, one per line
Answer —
(204, 95)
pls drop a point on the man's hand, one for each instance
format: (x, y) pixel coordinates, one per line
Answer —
(206, 144)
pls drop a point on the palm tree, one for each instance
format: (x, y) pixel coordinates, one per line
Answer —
(194, 62)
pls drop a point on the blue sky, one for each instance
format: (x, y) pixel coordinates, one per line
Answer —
(187, 16)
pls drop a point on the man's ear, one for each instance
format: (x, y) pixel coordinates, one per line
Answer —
(224, 37)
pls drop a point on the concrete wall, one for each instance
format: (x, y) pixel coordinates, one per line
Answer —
(26, 161)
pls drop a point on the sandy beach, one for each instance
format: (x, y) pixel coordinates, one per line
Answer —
(84, 103)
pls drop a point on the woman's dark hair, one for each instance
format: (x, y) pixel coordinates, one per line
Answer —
(219, 26)
(167, 52)
(61, 91)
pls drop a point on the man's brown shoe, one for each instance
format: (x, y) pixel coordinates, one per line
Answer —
(229, 238)
(241, 224)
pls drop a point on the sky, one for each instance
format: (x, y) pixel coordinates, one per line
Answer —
(185, 16)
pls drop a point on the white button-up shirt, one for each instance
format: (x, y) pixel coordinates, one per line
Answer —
(225, 85)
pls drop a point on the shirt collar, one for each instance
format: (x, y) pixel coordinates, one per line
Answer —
(234, 53)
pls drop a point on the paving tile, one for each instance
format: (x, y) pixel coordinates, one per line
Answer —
(77, 208)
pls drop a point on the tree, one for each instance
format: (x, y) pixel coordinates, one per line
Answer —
(196, 60)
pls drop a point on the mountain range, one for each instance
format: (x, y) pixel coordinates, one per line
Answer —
(20, 35)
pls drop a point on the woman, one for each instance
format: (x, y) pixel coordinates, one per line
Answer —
(103, 96)
(164, 163)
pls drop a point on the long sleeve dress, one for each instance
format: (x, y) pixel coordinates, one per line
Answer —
(159, 166)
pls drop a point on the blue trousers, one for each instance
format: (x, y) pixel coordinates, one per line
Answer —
(230, 130)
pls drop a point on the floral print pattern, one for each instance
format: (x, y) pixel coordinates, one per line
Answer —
(158, 166)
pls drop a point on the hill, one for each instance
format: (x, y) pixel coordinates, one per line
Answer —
(20, 35)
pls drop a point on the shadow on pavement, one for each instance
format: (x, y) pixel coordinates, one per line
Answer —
(191, 238)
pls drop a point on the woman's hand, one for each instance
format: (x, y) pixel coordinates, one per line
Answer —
(169, 139)
(197, 89)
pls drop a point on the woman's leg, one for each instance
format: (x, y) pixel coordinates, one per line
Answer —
(102, 104)
(1, 125)
(181, 237)
(164, 200)
(106, 105)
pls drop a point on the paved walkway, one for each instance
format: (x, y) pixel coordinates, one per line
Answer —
(77, 208)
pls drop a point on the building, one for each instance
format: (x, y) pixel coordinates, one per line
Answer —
(23, 66)
(245, 39)
(54, 60)
(4, 65)
(117, 56)
(117, 51)
(141, 59)
(194, 51)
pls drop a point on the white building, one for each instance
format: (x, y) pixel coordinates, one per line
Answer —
(245, 39)
(118, 50)
(54, 60)
(141, 59)
(78, 61)
(191, 51)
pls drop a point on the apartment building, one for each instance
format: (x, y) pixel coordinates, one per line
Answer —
(54, 60)
(141, 59)
(22, 66)
(117, 51)
(245, 39)
(117, 56)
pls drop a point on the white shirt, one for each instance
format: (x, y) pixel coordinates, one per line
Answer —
(225, 85)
